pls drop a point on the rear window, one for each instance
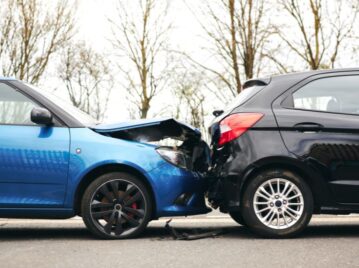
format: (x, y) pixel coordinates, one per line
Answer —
(245, 95)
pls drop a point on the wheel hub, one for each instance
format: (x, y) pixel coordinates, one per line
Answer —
(278, 203)
(118, 207)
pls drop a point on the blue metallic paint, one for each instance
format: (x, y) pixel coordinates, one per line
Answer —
(34, 164)
(42, 168)
(171, 182)
(166, 180)
(41, 173)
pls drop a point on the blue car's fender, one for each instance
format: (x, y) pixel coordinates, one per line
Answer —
(90, 151)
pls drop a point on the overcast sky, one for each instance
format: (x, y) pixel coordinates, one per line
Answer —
(187, 35)
(93, 27)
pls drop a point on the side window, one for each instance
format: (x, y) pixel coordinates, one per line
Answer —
(333, 94)
(15, 108)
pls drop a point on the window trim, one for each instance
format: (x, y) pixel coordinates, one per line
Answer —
(62, 115)
(57, 121)
(288, 94)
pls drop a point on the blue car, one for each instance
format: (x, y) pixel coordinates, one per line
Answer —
(58, 162)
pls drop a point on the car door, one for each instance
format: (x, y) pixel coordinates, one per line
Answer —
(319, 122)
(34, 159)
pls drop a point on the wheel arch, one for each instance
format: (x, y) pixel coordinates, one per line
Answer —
(314, 179)
(90, 176)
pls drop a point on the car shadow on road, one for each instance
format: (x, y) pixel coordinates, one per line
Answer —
(9, 233)
(331, 231)
(34, 233)
(317, 231)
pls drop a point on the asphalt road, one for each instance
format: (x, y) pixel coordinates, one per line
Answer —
(329, 241)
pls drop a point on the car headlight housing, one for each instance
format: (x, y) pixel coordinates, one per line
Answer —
(175, 157)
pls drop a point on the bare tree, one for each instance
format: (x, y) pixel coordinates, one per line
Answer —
(140, 36)
(87, 77)
(189, 90)
(238, 31)
(31, 31)
(322, 26)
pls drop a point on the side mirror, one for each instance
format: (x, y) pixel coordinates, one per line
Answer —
(41, 116)
(217, 112)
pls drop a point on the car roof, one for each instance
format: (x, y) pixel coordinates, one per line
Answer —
(278, 84)
(303, 75)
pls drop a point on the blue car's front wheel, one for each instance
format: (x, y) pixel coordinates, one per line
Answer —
(116, 205)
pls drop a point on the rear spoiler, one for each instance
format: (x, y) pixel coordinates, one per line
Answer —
(257, 82)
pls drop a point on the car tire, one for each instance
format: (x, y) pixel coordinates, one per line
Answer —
(116, 205)
(237, 217)
(277, 204)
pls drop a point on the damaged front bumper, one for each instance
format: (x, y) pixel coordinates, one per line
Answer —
(179, 192)
(178, 183)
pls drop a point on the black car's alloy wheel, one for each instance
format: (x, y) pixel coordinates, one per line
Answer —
(277, 203)
(116, 205)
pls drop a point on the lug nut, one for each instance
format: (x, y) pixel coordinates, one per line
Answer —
(271, 204)
(279, 209)
(277, 196)
(284, 202)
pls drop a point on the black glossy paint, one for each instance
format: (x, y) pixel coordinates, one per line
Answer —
(322, 147)
(329, 141)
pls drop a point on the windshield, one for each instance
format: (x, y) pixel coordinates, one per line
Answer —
(245, 95)
(75, 112)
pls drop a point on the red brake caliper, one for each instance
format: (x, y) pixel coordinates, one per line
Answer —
(134, 206)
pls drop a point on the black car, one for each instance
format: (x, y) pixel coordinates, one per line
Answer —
(288, 148)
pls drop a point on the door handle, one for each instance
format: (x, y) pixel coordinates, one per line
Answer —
(308, 127)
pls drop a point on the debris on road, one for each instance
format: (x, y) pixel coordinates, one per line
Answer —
(195, 235)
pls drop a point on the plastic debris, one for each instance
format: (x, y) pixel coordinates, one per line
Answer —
(195, 235)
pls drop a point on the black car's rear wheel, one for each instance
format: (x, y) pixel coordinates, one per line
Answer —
(116, 205)
(237, 217)
(277, 203)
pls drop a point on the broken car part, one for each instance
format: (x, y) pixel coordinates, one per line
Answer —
(192, 154)
(194, 235)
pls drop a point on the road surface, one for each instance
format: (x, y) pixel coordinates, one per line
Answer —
(329, 241)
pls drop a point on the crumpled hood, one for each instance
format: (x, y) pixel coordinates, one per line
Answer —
(149, 130)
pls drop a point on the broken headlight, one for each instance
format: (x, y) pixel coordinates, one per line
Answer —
(175, 157)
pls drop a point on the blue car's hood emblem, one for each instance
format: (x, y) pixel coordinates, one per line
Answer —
(149, 129)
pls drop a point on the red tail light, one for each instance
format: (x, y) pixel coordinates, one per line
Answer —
(234, 125)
